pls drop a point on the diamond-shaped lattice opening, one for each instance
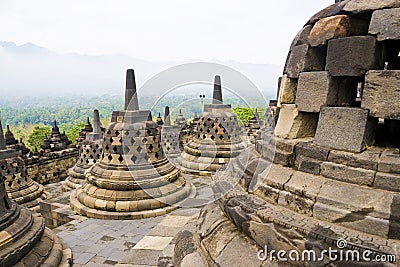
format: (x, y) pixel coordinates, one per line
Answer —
(151, 147)
(133, 158)
(116, 132)
(144, 140)
(212, 137)
(120, 158)
(221, 136)
(139, 149)
(109, 157)
(137, 133)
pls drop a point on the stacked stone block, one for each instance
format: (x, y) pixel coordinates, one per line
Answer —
(332, 171)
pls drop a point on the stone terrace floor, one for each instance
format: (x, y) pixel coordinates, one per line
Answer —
(126, 243)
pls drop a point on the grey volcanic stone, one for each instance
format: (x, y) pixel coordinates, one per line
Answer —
(318, 88)
(331, 10)
(382, 94)
(301, 37)
(386, 24)
(239, 252)
(367, 159)
(305, 58)
(387, 181)
(349, 129)
(184, 246)
(353, 56)
(358, 6)
(347, 174)
(390, 161)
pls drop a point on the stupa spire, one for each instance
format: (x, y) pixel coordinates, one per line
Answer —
(131, 99)
(96, 122)
(2, 140)
(167, 118)
(217, 94)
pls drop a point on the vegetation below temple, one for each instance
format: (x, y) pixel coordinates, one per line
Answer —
(31, 118)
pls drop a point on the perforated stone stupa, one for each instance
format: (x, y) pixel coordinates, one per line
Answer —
(170, 137)
(56, 141)
(87, 129)
(13, 143)
(335, 173)
(133, 178)
(90, 152)
(24, 239)
(218, 137)
(20, 187)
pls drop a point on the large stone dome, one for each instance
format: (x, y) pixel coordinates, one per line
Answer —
(332, 170)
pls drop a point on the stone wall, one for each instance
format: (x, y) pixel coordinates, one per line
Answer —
(52, 167)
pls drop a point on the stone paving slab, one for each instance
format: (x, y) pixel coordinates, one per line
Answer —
(125, 243)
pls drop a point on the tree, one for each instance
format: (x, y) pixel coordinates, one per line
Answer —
(36, 138)
(72, 131)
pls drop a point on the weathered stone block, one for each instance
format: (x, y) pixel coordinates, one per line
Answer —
(336, 27)
(387, 181)
(287, 91)
(329, 11)
(347, 174)
(358, 6)
(367, 159)
(301, 37)
(318, 88)
(309, 149)
(349, 129)
(353, 56)
(294, 124)
(305, 58)
(382, 94)
(386, 24)
(309, 165)
(389, 161)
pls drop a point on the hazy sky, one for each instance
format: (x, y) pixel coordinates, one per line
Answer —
(258, 31)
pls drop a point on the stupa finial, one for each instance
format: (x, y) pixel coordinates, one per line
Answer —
(217, 94)
(2, 140)
(96, 122)
(131, 99)
(167, 118)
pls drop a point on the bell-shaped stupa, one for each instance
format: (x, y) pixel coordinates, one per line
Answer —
(24, 239)
(218, 138)
(133, 179)
(170, 137)
(90, 152)
(20, 187)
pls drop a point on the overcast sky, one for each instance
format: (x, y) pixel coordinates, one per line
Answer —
(258, 31)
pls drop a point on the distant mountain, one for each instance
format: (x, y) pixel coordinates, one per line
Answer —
(31, 70)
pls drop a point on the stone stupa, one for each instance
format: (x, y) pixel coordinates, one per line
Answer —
(217, 139)
(24, 239)
(253, 125)
(334, 179)
(170, 137)
(20, 187)
(90, 152)
(56, 141)
(88, 128)
(133, 179)
(13, 143)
